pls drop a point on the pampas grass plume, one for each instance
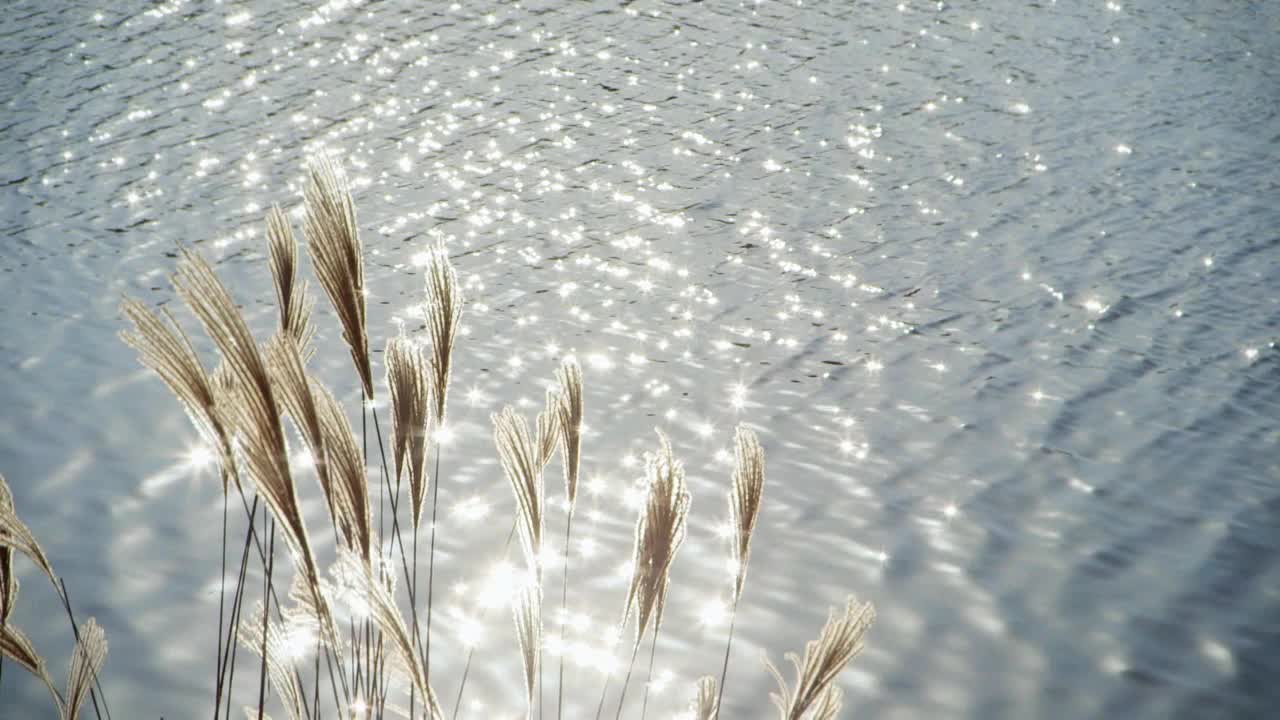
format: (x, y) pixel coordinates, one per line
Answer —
(841, 639)
(338, 255)
(409, 379)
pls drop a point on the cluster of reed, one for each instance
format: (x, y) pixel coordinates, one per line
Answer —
(368, 652)
(91, 644)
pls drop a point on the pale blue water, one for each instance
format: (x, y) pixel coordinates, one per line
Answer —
(997, 283)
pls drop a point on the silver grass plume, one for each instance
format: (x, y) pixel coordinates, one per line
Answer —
(90, 653)
(409, 378)
(346, 472)
(15, 646)
(284, 362)
(570, 411)
(829, 703)
(660, 530)
(167, 351)
(443, 311)
(744, 501)
(337, 255)
(15, 535)
(523, 468)
(841, 639)
(282, 678)
(251, 406)
(703, 706)
(291, 296)
(8, 578)
(548, 423)
(362, 581)
(528, 616)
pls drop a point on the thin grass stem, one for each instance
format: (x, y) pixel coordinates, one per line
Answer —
(724, 670)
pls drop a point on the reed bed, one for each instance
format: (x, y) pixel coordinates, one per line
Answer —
(349, 643)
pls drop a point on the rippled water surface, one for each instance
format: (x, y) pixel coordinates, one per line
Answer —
(998, 284)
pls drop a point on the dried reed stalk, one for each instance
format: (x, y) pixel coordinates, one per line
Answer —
(337, 255)
(528, 617)
(841, 639)
(443, 314)
(409, 378)
(166, 350)
(90, 653)
(295, 305)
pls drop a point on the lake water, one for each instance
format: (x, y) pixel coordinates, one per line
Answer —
(997, 283)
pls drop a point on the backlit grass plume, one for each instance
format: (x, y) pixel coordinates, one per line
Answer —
(548, 428)
(338, 256)
(522, 464)
(291, 295)
(528, 617)
(841, 639)
(347, 472)
(284, 362)
(409, 378)
(443, 310)
(167, 351)
(570, 411)
(15, 535)
(744, 501)
(705, 703)
(89, 655)
(660, 530)
(15, 646)
(744, 508)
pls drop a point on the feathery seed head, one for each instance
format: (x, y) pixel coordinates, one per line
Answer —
(167, 351)
(703, 706)
(841, 639)
(409, 379)
(291, 296)
(337, 255)
(521, 463)
(744, 500)
(660, 530)
(570, 411)
(443, 310)
(548, 428)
